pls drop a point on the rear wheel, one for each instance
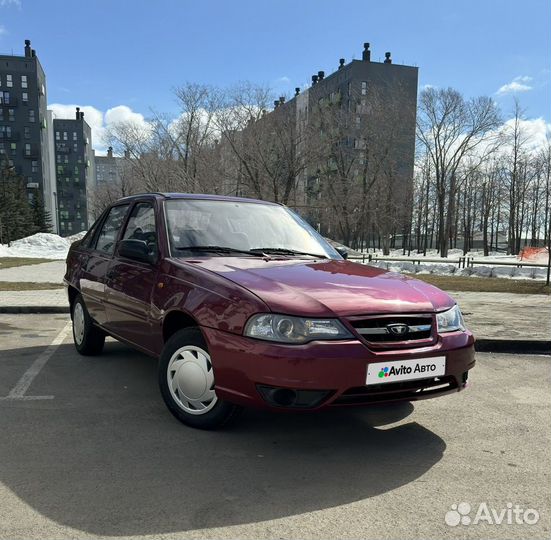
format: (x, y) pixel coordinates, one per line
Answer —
(186, 380)
(88, 338)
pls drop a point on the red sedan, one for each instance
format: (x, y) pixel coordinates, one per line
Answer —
(245, 304)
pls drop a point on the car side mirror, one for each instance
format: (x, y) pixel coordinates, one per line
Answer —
(137, 250)
(343, 252)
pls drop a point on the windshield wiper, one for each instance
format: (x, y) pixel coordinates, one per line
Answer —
(286, 251)
(220, 249)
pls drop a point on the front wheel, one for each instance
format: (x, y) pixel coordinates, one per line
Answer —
(186, 380)
(88, 338)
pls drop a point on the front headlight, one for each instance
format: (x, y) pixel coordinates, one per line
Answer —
(450, 321)
(287, 329)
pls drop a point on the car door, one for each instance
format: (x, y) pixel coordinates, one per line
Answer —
(130, 283)
(95, 266)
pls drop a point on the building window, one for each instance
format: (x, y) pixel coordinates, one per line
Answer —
(58, 158)
(76, 169)
(75, 147)
(57, 135)
(27, 149)
(25, 97)
(34, 166)
(32, 118)
(5, 98)
(364, 88)
(74, 135)
(358, 121)
(64, 135)
(13, 147)
(2, 149)
(9, 81)
(66, 158)
(27, 132)
(60, 169)
(11, 115)
(23, 81)
(1, 114)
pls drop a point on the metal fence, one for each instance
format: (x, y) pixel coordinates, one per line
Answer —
(461, 262)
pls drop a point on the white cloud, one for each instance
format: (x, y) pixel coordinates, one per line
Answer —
(122, 113)
(518, 84)
(7, 3)
(98, 120)
(283, 80)
(536, 132)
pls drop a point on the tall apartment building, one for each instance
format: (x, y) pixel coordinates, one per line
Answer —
(24, 141)
(381, 101)
(74, 165)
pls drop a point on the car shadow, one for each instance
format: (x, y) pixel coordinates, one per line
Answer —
(106, 457)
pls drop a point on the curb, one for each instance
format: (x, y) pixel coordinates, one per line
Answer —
(34, 309)
(520, 346)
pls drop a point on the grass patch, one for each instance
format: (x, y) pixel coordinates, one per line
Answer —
(10, 262)
(502, 285)
(28, 286)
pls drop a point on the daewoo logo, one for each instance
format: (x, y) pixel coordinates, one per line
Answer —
(405, 370)
(398, 329)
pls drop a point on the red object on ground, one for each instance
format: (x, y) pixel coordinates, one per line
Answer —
(535, 254)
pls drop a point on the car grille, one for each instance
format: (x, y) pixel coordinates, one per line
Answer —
(393, 330)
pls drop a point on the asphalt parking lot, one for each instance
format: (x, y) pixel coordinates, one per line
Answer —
(87, 449)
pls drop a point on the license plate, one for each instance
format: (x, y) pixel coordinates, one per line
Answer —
(405, 370)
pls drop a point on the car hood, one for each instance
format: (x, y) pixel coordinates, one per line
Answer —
(328, 287)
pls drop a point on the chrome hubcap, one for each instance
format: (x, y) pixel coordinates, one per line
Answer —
(191, 380)
(78, 323)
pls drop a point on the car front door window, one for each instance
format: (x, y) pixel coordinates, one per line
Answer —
(141, 226)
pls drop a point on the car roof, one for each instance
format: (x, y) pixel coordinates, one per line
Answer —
(196, 196)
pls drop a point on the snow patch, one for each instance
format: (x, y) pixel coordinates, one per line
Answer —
(40, 246)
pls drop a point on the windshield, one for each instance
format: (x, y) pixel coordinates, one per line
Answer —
(241, 226)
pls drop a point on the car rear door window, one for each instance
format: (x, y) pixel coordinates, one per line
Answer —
(109, 232)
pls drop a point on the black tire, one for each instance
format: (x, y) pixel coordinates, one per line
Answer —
(220, 413)
(92, 340)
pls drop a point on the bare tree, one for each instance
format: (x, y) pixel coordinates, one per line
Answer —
(451, 128)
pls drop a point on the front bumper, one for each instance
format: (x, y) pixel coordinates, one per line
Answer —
(329, 373)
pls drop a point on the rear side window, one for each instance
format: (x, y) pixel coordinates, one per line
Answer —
(88, 240)
(109, 232)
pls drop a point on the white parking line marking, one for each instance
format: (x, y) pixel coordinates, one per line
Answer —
(18, 391)
(24, 398)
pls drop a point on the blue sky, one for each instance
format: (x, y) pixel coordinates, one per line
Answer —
(107, 53)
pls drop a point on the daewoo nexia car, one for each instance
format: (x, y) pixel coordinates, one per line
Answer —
(245, 304)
